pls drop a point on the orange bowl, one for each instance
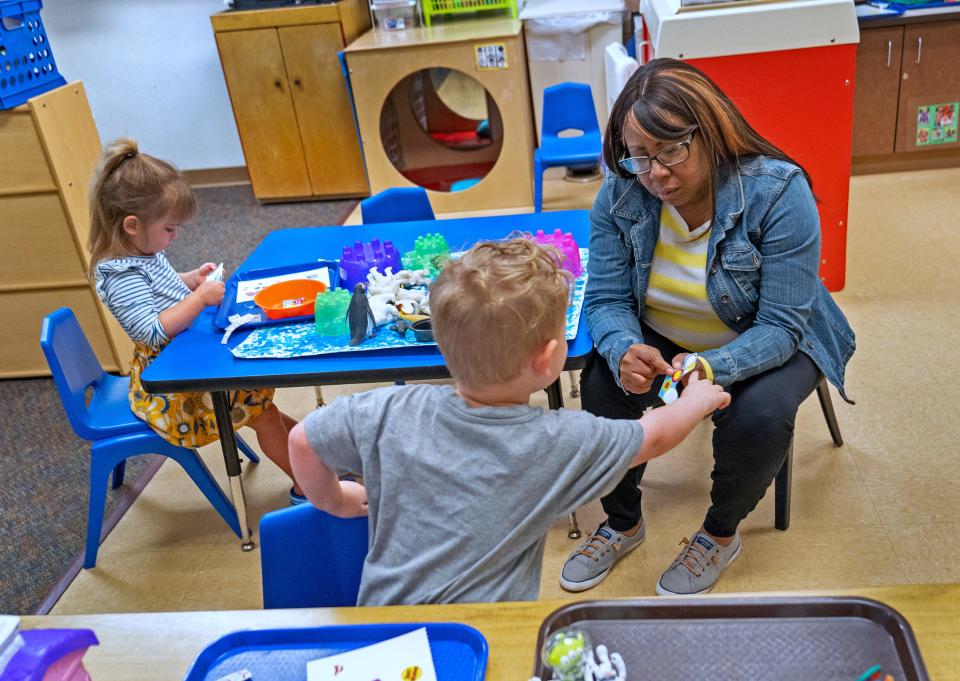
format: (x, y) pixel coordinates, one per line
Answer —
(294, 298)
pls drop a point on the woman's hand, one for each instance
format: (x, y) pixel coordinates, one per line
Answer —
(353, 500)
(194, 278)
(639, 366)
(677, 362)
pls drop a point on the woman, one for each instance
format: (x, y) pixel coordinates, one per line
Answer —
(705, 238)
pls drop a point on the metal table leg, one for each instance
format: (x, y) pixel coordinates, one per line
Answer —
(228, 443)
(555, 401)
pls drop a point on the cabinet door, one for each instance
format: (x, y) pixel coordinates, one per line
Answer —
(877, 85)
(253, 67)
(931, 53)
(323, 109)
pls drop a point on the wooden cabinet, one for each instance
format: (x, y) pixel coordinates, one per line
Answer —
(290, 99)
(931, 75)
(877, 90)
(50, 148)
(901, 71)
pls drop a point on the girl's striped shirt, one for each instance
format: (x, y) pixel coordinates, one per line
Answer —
(136, 289)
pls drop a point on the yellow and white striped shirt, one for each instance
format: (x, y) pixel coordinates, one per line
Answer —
(677, 306)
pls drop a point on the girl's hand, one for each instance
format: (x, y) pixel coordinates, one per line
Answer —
(210, 292)
(199, 275)
(639, 366)
(353, 502)
(705, 395)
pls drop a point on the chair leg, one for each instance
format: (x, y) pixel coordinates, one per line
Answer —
(319, 391)
(573, 529)
(574, 383)
(247, 450)
(118, 474)
(537, 183)
(826, 404)
(102, 465)
(782, 489)
(191, 462)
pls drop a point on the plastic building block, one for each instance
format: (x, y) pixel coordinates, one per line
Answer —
(330, 312)
(356, 261)
(566, 244)
(429, 252)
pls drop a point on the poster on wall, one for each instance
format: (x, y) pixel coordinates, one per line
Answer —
(937, 123)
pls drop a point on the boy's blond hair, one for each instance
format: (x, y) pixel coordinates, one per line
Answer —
(497, 305)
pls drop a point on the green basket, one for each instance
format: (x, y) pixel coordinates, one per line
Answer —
(435, 7)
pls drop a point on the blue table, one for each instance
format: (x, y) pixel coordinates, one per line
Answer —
(195, 360)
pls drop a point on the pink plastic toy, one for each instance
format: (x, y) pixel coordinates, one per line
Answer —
(356, 261)
(566, 244)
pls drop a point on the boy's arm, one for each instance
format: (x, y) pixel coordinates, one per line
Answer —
(320, 484)
(666, 427)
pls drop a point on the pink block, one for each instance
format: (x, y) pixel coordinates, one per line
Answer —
(567, 245)
(68, 668)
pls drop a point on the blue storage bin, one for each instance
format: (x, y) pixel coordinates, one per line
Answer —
(27, 68)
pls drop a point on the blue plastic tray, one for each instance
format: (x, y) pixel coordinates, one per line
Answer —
(229, 305)
(459, 651)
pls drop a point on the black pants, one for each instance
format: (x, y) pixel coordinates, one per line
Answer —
(750, 440)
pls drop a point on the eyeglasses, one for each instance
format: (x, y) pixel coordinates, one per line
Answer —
(668, 156)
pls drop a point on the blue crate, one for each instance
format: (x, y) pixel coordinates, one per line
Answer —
(27, 68)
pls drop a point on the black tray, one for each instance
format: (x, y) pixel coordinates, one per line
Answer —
(757, 639)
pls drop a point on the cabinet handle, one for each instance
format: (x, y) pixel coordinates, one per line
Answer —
(919, 48)
(296, 81)
(277, 83)
(889, 52)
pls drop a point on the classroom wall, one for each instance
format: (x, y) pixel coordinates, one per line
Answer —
(151, 72)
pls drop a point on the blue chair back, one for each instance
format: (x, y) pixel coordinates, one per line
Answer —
(309, 558)
(74, 367)
(568, 106)
(399, 204)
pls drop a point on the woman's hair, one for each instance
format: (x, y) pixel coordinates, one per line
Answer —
(127, 182)
(497, 305)
(669, 99)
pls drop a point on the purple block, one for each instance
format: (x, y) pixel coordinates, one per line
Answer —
(567, 245)
(50, 655)
(356, 261)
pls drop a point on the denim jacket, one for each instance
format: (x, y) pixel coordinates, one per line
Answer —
(762, 272)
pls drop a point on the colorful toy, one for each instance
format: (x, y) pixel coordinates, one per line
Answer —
(330, 313)
(360, 316)
(668, 391)
(565, 652)
(429, 252)
(566, 244)
(217, 274)
(875, 673)
(357, 260)
(292, 298)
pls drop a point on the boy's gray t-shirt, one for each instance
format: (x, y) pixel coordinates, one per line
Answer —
(461, 498)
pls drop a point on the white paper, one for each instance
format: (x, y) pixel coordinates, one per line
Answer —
(246, 290)
(404, 657)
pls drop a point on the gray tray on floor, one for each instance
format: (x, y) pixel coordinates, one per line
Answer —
(786, 639)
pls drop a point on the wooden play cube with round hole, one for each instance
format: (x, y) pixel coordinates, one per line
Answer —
(425, 121)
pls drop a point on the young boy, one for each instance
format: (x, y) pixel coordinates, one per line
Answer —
(462, 483)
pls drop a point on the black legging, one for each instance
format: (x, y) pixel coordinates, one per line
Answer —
(750, 441)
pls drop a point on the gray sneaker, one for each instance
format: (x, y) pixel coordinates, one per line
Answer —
(590, 563)
(698, 566)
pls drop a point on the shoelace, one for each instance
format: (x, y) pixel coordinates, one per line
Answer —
(598, 544)
(691, 562)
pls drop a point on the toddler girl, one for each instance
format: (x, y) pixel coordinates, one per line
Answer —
(138, 203)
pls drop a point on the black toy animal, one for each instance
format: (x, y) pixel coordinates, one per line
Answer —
(360, 317)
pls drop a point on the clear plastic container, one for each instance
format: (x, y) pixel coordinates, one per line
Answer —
(394, 15)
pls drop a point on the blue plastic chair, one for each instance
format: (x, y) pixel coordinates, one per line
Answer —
(399, 204)
(566, 106)
(309, 558)
(106, 421)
